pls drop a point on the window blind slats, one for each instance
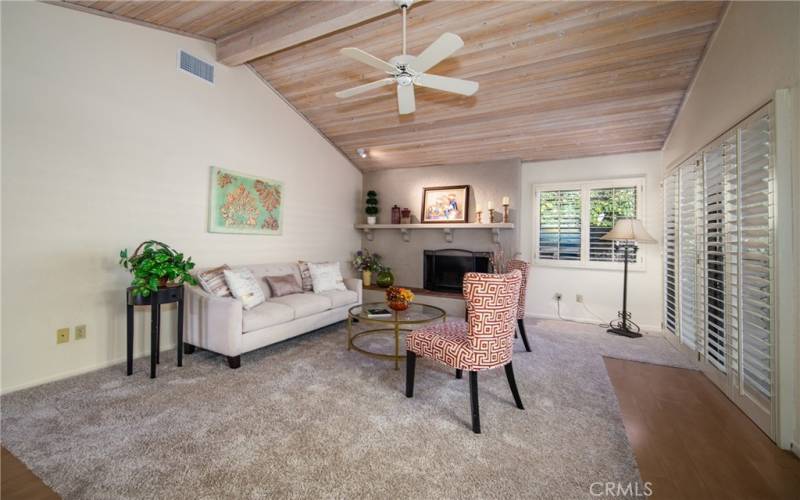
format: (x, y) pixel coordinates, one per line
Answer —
(560, 225)
(670, 252)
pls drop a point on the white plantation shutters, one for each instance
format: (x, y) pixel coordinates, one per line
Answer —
(559, 225)
(713, 248)
(756, 251)
(689, 222)
(719, 263)
(606, 205)
(670, 253)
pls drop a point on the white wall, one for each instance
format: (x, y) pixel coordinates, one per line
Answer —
(104, 145)
(601, 289)
(755, 52)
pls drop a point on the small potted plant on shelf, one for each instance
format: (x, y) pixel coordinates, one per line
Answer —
(372, 207)
(398, 298)
(155, 265)
(366, 263)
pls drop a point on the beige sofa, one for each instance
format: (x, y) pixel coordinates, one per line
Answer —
(219, 324)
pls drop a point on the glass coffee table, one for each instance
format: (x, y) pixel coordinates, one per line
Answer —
(399, 322)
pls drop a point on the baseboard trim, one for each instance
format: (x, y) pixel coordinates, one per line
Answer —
(651, 329)
(78, 371)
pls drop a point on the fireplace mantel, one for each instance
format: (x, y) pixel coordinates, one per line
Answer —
(447, 228)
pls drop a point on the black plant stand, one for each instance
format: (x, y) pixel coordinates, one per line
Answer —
(165, 295)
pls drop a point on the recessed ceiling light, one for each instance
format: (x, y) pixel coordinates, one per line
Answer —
(361, 152)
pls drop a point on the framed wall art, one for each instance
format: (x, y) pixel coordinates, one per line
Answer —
(445, 204)
(245, 204)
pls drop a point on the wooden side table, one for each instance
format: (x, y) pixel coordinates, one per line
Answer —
(164, 295)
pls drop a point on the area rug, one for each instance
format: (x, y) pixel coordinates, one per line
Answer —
(309, 419)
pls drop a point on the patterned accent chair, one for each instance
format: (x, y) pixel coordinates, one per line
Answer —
(524, 268)
(483, 342)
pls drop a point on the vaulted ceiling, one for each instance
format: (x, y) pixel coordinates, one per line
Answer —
(557, 79)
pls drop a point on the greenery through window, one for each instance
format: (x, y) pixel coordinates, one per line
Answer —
(606, 206)
(560, 225)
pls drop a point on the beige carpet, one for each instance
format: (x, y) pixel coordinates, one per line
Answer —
(307, 418)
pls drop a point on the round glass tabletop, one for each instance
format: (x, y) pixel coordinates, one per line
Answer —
(416, 313)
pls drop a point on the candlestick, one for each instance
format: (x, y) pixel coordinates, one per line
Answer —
(506, 200)
(489, 205)
(478, 216)
(505, 211)
(491, 215)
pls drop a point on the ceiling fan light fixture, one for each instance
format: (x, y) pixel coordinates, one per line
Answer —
(361, 152)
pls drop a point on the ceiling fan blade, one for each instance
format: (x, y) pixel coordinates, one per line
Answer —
(454, 85)
(343, 94)
(405, 99)
(441, 49)
(363, 57)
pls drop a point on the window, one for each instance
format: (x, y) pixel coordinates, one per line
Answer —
(560, 225)
(571, 219)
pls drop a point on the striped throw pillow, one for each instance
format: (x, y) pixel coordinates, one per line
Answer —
(213, 281)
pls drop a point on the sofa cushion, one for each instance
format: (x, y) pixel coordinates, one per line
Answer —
(304, 304)
(261, 270)
(283, 285)
(266, 314)
(341, 298)
(243, 286)
(326, 276)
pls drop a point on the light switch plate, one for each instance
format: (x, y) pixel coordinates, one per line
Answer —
(80, 332)
(62, 335)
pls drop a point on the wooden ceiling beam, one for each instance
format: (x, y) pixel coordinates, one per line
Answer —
(301, 23)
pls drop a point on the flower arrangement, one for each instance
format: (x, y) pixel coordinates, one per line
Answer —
(399, 298)
(365, 261)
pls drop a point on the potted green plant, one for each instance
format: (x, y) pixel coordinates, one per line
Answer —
(372, 207)
(155, 265)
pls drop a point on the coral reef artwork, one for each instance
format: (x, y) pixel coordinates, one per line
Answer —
(242, 203)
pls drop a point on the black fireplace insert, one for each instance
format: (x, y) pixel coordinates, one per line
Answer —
(443, 270)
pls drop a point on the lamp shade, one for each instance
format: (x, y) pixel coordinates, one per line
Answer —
(628, 230)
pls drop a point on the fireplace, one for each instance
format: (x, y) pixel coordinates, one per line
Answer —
(443, 270)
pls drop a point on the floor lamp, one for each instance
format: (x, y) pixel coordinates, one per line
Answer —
(626, 231)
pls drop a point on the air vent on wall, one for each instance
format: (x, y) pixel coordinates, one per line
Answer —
(195, 66)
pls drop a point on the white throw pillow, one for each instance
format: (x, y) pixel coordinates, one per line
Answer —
(326, 276)
(243, 286)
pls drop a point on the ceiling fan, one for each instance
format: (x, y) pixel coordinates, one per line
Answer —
(407, 70)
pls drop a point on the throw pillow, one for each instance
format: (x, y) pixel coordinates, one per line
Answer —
(305, 276)
(213, 281)
(244, 287)
(326, 276)
(283, 285)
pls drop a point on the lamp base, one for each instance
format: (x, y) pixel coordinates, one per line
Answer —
(624, 332)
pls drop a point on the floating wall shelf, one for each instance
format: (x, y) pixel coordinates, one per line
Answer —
(405, 229)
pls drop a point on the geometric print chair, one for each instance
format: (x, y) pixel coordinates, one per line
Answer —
(524, 268)
(483, 342)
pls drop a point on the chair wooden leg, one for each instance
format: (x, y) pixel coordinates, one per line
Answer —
(473, 400)
(234, 361)
(513, 384)
(521, 326)
(411, 362)
(459, 373)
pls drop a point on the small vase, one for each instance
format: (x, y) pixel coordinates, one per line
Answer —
(385, 279)
(366, 277)
(399, 305)
(371, 220)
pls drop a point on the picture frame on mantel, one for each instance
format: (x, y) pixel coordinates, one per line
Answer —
(445, 205)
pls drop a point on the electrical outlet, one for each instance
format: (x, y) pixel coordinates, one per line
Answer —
(578, 299)
(80, 332)
(62, 335)
(557, 296)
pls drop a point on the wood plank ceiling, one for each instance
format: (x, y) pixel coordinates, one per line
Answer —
(557, 79)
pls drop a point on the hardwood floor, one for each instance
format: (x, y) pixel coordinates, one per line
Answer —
(692, 442)
(19, 482)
